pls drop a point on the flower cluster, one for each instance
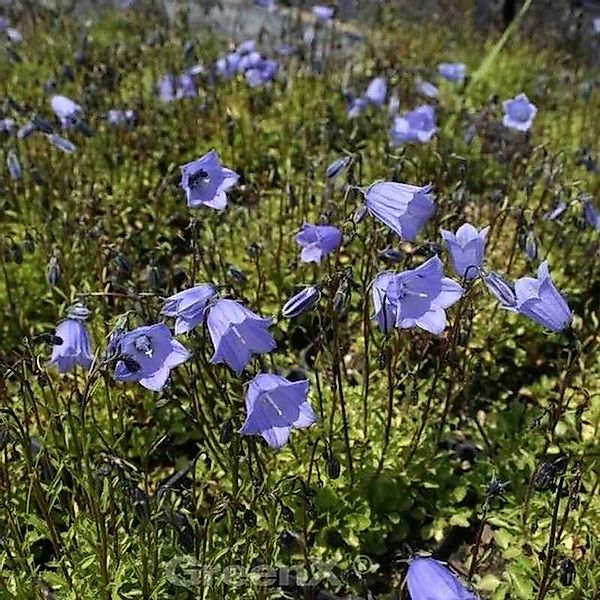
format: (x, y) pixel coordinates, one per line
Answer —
(246, 60)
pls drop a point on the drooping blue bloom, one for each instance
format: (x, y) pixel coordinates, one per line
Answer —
(268, 4)
(518, 113)
(262, 72)
(454, 72)
(227, 66)
(540, 300)
(67, 111)
(147, 355)
(425, 88)
(75, 347)
(14, 35)
(592, 216)
(596, 24)
(503, 290)
(376, 91)
(466, 249)
(417, 125)
(237, 333)
(415, 298)
(322, 12)
(275, 405)
(206, 182)
(185, 86)
(7, 125)
(317, 241)
(375, 94)
(429, 579)
(357, 106)
(174, 88)
(300, 302)
(402, 207)
(246, 47)
(189, 307)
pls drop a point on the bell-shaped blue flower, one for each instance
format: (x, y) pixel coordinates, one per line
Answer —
(454, 72)
(317, 241)
(322, 12)
(147, 355)
(206, 181)
(67, 111)
(466, 248)
(237, 334)
(540, 300)
(274, 405)
(75, 347)
(402, 207)
(415, 298)
(300, 302)
(429, 579)
(264, 71)
(518, 113)
(376, 91)
(189, 307)
(417, 125)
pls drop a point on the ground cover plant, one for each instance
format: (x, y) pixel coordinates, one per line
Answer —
(311, 315)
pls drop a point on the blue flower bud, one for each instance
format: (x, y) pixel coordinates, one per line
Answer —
(301, 302)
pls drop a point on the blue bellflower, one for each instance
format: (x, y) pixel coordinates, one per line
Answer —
(539, 299)
(415, 298)
(466, 249)
(376, 91)
(518, 113)
(375, 94)
(67, 111)
(417, 125)
(206, 182)
(274, 405)
(402, 207)
(454, 72)
(189, 307)
(262, 73)
(75, 347)
(429, 579)
(237, 333)
(174, 88)
(147, 355)
(322, 12)
(317, 241)
(300, 302)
